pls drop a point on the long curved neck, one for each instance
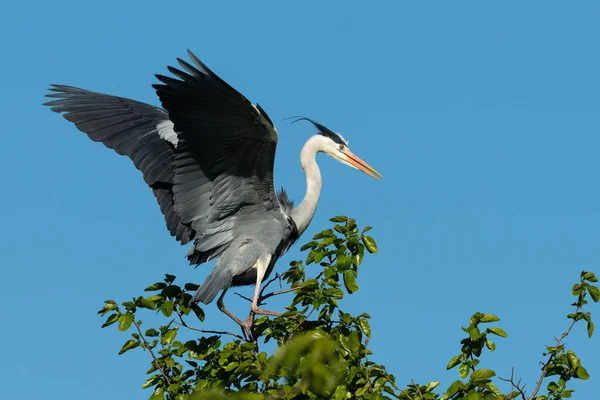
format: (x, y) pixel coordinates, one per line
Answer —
(303, 214)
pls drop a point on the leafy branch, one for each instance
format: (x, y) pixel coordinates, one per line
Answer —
(562, 362)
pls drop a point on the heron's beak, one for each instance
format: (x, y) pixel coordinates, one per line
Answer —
(359, 164)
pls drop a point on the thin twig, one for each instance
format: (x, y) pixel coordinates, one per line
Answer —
(551, 358)
(515, 385)
(277, 276)
(542, 376)
(566, 333)
(305, 318)
(417, 387)
(366, 362)
(243, 297)
(213, 332)
(284, 291)
(406, 393)
(162, 371)
(277, 293)
(185, 325)
(309, 313)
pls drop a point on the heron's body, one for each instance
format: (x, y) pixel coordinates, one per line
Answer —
(208, 157)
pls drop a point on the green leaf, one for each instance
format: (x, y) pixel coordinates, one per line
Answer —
(341, 229)
(454, 388)
(334, 292)
(339, 218)
(463, 370)
(125, 321)
(169, 336)
(323, 234)
(594, 292)
(309, 245)
(361, 391)
(590, 277)
(158, 394)
(474, 333)
(343, 262)
(577, 288)
(191, 286)
(358, 255)
(474, 395)
(109, 306)
(370, 244)
(581, 373)
(350, 282)
(167, 308)
(169, 278)
(153, 380)
(364, 325)
(572, 359)
(497, 331)
(130, 344)
(493, 388)
(482, 374)
(490, 345)
(199, 312)
(319, 256)
(340, 393)
(489, 318)
(111, 320)
(310, 258)
(156, 286)
(145, 303)
(327, 241)
(152, 332)
(432, 385)
(354, 341)
(231, 366)
(454, 361)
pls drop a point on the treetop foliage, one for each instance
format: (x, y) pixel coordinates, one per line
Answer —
(322, 351)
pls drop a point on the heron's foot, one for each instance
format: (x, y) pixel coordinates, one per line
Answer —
(257, 311)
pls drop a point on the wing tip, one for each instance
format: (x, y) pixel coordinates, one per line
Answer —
(199, 64)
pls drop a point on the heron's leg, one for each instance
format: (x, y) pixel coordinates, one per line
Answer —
(257, 310)
(223, 309)
(261, 268)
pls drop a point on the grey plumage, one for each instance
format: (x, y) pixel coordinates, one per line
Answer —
(208, 157)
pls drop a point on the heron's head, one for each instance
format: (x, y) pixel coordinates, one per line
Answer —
(333, 144)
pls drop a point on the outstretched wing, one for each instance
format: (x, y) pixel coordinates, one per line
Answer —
(223, 165)
(140, 131)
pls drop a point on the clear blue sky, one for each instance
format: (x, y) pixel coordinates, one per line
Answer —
(483, 117)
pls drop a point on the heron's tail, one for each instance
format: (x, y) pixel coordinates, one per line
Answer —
(216, 281)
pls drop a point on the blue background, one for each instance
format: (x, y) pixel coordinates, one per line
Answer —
(483, 118)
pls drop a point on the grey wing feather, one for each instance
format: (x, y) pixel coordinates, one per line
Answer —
(140, 131)
(223, 167)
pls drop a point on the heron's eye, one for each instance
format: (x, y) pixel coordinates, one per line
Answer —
(342, 147)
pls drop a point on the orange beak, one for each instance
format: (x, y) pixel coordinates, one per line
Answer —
(356, 162)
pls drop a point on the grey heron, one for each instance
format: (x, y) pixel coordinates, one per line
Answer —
(208, 157)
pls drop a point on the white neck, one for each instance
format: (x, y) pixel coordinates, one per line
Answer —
(303, 214)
